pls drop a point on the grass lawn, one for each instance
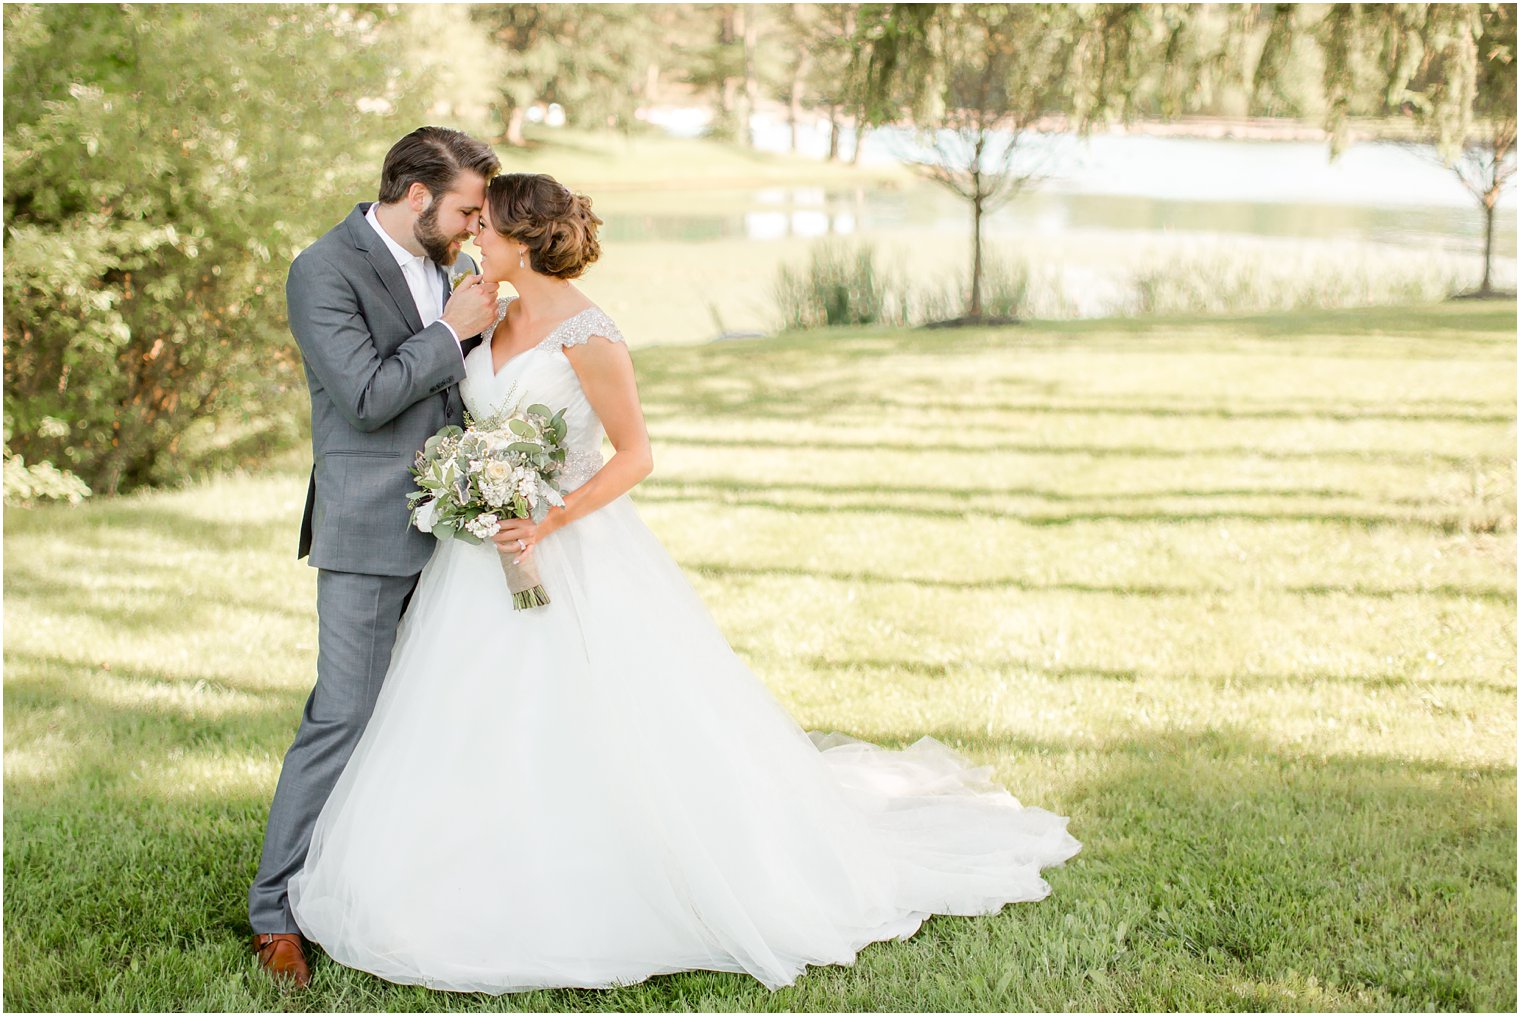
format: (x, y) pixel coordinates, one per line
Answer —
(1236, 594)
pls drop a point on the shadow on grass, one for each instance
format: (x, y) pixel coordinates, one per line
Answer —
(1450, 525)
(1216, 869)
(161, 608)
(723, 570)
(725, 485)
(110, 731)
(927, 447)
(1293, 413)
(838, 398)
(933, 669)
(139, 519)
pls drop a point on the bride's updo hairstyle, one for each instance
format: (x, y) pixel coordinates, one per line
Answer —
(557, 227)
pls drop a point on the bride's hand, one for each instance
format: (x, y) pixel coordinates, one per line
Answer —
(518, 536)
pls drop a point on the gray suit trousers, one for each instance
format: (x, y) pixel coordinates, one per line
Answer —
(356, 630)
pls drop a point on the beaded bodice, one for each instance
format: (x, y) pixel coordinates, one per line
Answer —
(543, 374)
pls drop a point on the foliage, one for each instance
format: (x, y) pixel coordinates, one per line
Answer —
(25, 485)
(1446, 69)
(821, 40)
(157, 183)
(975, 79)
(589, 58)
(841, 285)
(980, 74)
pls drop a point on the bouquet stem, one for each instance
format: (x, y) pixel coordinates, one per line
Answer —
(523, 583)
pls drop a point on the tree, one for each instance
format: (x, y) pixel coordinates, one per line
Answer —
(1447, 69)
(162, 166)
(590, 58)
(819, 42)
(974, 79)
(1487, 164)
(996, 62)
(723, 67)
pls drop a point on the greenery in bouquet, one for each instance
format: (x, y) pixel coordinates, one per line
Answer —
(506, 466)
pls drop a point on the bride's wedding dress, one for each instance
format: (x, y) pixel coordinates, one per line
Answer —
(598, 790)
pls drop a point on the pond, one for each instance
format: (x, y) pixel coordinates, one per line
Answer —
(690, 266)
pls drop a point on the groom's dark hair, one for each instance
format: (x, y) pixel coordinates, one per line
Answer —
(433, 157)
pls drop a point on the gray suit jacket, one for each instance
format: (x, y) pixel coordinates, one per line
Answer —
(381, 385)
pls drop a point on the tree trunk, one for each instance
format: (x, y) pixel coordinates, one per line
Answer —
(728, 29)
(833, 132)
(793, 110)
(794, 95)
(974, 311)
(750, 33)
(860, 137)
(514, 135)
(1489, 200)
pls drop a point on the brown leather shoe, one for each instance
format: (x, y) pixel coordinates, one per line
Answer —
(280, 953)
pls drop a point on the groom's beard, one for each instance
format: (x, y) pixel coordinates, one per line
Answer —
(437, 246)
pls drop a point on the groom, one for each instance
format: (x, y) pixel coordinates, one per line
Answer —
(380, 335)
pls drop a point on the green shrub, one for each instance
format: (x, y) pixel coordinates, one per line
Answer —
(162, 166)
(842, 285)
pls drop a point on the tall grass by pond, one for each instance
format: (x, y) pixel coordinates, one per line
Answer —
(847, 284)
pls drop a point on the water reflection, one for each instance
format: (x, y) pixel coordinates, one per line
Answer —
(809, 213)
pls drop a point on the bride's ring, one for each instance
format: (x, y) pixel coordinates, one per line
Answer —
(521, 545)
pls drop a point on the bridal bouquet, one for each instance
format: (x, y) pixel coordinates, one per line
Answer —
(469, 479)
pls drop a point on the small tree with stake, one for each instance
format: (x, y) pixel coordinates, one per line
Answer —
(993, 91)
(1448, 68)
(974, 79)
(1485, 161)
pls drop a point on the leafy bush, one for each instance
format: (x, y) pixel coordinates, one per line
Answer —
(162, 166)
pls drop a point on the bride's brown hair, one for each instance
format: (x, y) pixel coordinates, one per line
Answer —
(557, 227)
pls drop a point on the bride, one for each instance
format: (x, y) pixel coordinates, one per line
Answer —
(588, 793)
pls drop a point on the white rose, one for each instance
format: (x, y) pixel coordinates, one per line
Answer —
(497, 471)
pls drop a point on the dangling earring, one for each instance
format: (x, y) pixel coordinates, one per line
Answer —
(520, 261)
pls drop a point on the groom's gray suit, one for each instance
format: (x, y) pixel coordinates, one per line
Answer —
(381, 384)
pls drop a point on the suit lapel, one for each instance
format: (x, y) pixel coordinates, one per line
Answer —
(366, 239)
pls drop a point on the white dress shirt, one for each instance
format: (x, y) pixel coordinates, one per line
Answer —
(422, 276)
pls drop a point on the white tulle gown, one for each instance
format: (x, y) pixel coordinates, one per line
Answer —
(595, 791)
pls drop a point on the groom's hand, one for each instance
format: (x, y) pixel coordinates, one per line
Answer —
(472, 308)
